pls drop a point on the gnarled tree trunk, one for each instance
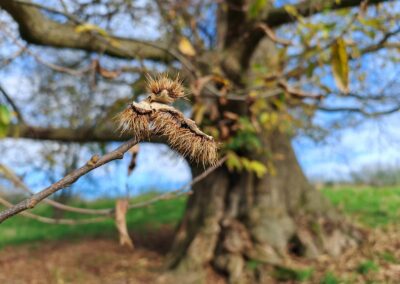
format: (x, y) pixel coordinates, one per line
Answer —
(233, 218)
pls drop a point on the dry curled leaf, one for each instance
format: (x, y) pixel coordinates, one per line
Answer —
(121, 207)
(186, 47)
(340, 65)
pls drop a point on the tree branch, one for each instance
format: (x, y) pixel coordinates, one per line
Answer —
(280, 16)
(37, 29)
(383, 43)
(13, 105)
(182, 190)
(48, 220)
(359, 110)
(10, 175)
(69, 179)
(88, 134)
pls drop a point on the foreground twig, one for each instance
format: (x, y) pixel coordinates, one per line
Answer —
(69, 179)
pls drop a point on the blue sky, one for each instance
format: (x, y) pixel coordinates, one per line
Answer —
(375, 142)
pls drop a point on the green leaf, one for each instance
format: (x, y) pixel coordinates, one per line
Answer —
(340, 65)
(3, 130)
(290, 9)
(5, 115)
(233, 161)
(256, 7)
(373, 23)
(5, 119)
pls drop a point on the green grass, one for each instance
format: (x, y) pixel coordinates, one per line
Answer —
(287, 274)
(371, 206)
(367, 266)
(19, 229)
(330, 278)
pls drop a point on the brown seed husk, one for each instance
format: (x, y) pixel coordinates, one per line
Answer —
(132, 121)
(154, 118)
(162, 82)
(195, 145)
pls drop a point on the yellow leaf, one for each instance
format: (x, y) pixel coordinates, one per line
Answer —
(246, 164)
(186, 47)
(258, 168)
(89, 28)
(233, 161)
(198, 112)
(340, 65)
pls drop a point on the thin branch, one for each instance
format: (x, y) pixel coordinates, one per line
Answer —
(13, 105)
(297, 93)
(53, 220)
(359, 110)
(9, 174)
(382, 43)
(272, 36)
(182, 190)
(10, 59)
(39, 59)
(280, 16)
(69, 179)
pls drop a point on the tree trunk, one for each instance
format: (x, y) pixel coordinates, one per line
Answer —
(235, 218)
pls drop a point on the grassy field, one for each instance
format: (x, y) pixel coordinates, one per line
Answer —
(19, 229)
(370, 206)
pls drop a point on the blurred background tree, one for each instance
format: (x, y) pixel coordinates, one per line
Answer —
(259, 73)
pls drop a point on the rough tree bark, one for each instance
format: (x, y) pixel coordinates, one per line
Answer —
(234, 218)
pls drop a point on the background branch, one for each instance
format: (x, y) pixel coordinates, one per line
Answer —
(280, 16)
(87, 134)
(19, 183)
(13, 105)
(48, 220)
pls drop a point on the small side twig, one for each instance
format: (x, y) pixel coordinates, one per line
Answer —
(272, 36)
(296, 92)
(182, 190)
(12, 104)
